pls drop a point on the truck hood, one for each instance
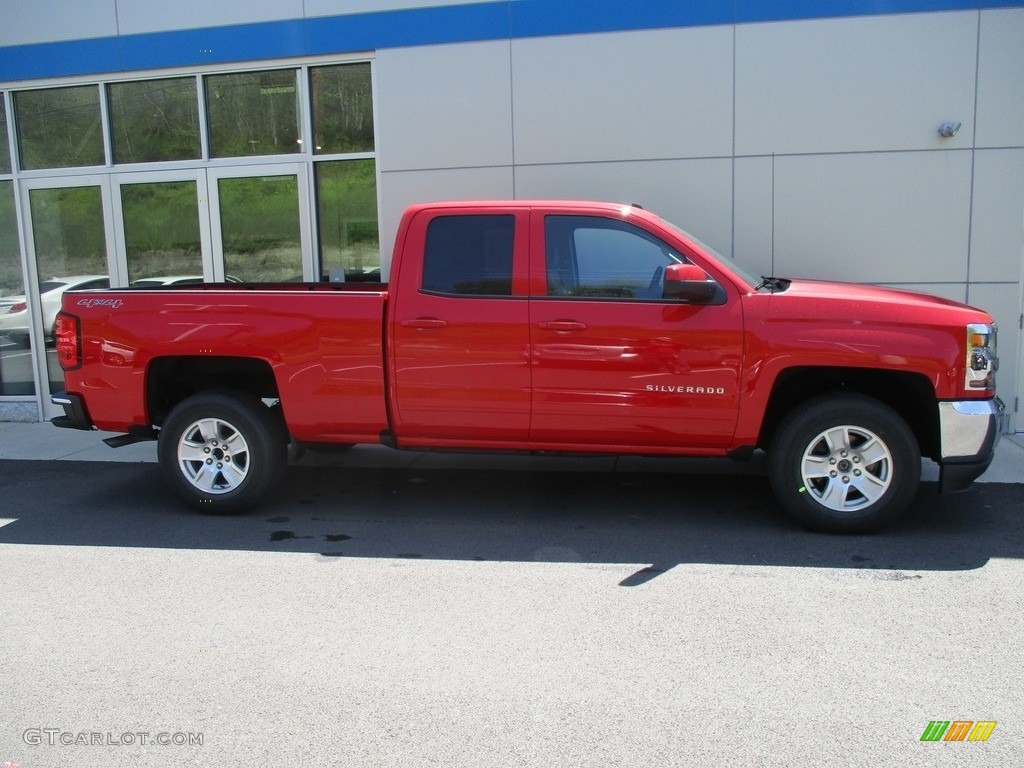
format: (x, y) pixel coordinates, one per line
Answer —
(856, 301)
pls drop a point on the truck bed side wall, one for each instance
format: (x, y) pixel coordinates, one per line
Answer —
(323, 349)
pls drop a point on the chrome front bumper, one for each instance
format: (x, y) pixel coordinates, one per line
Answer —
(969, 431)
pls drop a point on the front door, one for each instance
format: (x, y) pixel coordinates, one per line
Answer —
(614, 363)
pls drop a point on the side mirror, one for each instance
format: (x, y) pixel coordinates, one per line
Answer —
(688, 282)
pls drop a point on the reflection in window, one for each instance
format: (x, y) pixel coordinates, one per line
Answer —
(10, 255)
(5, 148)
(155, 120)
(260, 228)
(15, 363)
(253, 113)
(68, 231)
(342, 99)
(596, 257)
(161, 231)
(469, 255)
(59, 127)
(346, 194)
(70, 243)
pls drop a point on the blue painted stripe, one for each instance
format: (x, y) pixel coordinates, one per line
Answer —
(400, 29)
(71, 57)
(748, 11)
(215, 45)
(502, 19)
(540, 18)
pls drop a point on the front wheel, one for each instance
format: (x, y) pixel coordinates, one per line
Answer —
(845, 464)
(222, 452)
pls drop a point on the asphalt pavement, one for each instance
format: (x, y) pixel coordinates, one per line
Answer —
(396, 609)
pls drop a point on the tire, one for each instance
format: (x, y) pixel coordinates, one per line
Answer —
(222, 452)
(844, 464)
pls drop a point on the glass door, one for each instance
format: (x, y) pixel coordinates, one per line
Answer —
(1016, 420)
(162, 228)
(260, 223)
(68, 239)
(15, 361)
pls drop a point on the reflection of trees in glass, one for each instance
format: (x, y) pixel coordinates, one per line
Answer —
(68, 231)
(5, 148)
(155, 120)
(10, 253)
(15, 370)
(161, 229)
(59, 127)
(260, 228)
(342, 99)
(346, 199)
(253, 113)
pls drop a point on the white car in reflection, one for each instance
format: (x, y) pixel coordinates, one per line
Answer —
(14, 320)
(160, 281)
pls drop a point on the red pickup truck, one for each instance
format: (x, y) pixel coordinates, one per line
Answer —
(553, 327)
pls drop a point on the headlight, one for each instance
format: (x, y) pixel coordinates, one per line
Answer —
(982, 362)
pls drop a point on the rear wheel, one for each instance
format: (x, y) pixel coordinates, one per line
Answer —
(845, 464)
(222, 452)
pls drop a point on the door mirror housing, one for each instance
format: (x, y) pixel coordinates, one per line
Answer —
(688, 282)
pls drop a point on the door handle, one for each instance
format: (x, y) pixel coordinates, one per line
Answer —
(562, 326)
(425, 323)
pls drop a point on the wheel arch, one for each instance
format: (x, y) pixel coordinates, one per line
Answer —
(911, 395)
(172, 379)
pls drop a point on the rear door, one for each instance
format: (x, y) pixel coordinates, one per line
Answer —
(459, 329)
(615, 363)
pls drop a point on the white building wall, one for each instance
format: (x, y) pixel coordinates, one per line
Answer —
(805, 148)
(54, 20)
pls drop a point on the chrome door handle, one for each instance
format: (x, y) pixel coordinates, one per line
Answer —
(425, 323)
(562, 326)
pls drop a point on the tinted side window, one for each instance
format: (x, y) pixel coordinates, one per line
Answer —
(469, 255)
(594, 257)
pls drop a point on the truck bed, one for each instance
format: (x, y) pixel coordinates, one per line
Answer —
(321, 354)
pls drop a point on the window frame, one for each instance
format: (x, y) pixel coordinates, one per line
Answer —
(110, 173)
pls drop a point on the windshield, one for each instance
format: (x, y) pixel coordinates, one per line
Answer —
(728, 264)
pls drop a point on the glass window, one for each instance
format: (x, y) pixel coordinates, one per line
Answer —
(70, 244)
(68, 231)
(589, 256)
(346, 199)
(155, 120)
(15, 363)
(260, 228)
(59, 127)
(469, 255)
(5, 149)
(342, 99)
(253, 113)
(161, 232)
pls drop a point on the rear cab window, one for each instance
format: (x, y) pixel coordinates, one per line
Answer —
(469, 255)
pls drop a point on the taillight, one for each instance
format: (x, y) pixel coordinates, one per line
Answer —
(68, 341)
(20, 306)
